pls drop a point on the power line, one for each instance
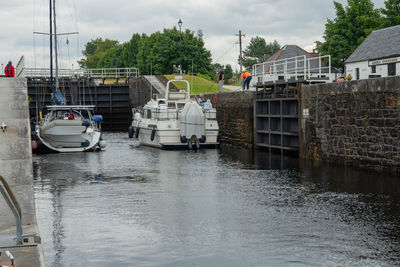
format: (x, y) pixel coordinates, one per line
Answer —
(226, 52)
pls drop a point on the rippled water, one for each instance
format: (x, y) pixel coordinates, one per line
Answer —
(137, 206)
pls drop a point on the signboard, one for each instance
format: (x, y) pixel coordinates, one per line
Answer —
(384, 61)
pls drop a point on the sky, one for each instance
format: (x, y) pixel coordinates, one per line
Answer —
(300, 22)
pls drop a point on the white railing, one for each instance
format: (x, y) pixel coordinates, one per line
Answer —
(20, 68)
(299, 67)
(91, 73)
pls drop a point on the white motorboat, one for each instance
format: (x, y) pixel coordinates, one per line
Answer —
(175, 122)
(70, 129)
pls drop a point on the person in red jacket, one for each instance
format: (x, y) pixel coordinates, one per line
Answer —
(9, 70)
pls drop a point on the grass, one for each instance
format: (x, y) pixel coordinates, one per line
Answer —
(199, 84)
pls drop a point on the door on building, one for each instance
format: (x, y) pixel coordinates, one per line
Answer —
(357, 73)
(392, 69)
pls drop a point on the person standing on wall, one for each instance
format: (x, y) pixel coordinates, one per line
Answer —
(220, 79)
(246, 77)
(9, 70)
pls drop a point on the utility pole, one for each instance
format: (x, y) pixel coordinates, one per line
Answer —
(240, 47)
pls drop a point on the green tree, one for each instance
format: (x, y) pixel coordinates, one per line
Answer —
(94, 50)
(258, 51)
(391, 13)
(348, 30)
(228, 73)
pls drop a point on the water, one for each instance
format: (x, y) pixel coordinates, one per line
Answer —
(138, 206)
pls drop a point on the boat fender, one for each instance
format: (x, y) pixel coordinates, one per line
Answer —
(102, 144)
(97, 118)
(197, 143)
(86, 123)
(202, 139)
(131, 131)
(190, 145)
(137, 132)
(85, 144)
(183, 139)
(153, 134)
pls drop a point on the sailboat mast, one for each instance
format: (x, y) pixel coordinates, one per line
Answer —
(55, 43)
(51, 48)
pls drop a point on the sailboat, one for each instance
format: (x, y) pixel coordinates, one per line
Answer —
(67, 128)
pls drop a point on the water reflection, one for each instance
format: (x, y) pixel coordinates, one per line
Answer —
(134, 205)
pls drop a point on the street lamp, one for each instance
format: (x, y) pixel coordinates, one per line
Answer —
(180, 45)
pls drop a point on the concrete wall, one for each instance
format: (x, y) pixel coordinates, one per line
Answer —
(235, 115)
(355, 123)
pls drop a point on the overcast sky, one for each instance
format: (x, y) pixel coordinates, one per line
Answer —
(300, 22)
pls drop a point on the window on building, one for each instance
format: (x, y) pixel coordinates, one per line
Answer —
(392, 69)
(373, 69)
(357, 73)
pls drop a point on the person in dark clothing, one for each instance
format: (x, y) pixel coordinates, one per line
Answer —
(220, 79)
(9, 70)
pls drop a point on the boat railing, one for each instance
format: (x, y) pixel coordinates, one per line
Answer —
(13, 204)
(164, 113)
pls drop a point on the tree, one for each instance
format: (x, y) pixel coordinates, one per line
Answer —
(94, 50)
(391, 13)
(228, 73)
(258, 51)
(348, 30)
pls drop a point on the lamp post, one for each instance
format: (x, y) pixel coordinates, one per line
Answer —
(180, 45)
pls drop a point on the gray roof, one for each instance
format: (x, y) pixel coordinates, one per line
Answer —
(379, 44)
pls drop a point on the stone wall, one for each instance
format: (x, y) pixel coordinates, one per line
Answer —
(354, 123)
(235, 117)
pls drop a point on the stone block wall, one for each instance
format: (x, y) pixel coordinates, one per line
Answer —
(354, 123)
(235, 115)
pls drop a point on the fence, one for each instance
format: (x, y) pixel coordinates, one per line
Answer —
(299, 67)
(90, 73)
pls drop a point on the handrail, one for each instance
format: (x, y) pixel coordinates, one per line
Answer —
(20, 67)
(13, 205)
(94, 73)
(298, 66)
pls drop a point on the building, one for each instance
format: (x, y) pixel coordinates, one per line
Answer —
(377, 56)
(292, 63)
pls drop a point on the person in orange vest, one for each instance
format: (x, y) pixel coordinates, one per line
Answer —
(246, 77)
(9, 70)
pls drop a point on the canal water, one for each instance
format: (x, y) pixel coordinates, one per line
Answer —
(138, 206)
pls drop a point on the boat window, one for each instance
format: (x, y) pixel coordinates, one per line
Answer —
(171, 104)
(180, 105)
(148, 114)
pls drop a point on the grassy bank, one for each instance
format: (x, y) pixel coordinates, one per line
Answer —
(198, 84)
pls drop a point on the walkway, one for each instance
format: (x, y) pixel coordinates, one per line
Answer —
(159, 86)
(16, 169)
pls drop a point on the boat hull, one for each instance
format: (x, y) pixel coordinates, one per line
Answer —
(68, 136)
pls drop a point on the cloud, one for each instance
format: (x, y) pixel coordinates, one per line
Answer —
(300, 22)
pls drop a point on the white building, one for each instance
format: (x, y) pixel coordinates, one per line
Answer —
(377, 56)
(292, 63)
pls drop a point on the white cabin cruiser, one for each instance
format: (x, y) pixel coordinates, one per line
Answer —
(70, 129)
(175, 122)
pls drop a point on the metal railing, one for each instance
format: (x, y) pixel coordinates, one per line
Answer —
(89, 73)
(299, 67)
(20, 67)
(13, 204)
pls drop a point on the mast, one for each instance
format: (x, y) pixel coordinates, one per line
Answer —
(55, 43)
(51, 49)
